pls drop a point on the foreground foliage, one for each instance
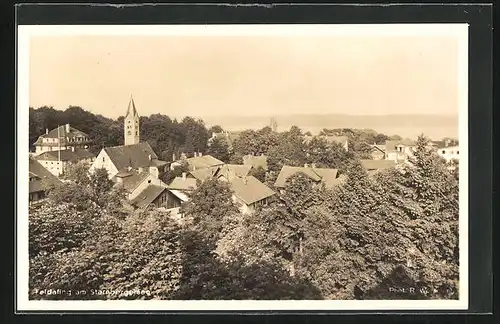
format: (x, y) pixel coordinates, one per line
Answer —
(370, 234)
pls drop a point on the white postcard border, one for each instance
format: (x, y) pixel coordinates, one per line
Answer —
(25, 32)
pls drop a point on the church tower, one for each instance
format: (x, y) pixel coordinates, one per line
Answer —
(131, 124)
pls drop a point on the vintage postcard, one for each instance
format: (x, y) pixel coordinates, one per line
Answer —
(242, 167)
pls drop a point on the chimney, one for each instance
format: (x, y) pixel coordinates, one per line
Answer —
(140, 170)
(149, 157)
(313, 165)
(195, 155)
(119, 180)
(72, 148)
(184, 176)
(183, 156)
(199, 154)
(46, 130)
(173, 157)
(129, 168)
(67, 128)
(306, 165)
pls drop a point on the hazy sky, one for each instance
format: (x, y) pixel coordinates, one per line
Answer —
(220, 75)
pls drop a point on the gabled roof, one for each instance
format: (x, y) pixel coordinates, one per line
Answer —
(41, 178)
(391, 145)
(377, 164)
(379, 148)
(187, 184)
(147, 196)
(132, 180)
(255, 161)
(204, 174)
(325, 175)
(135, 156)
(201, 162)
(179, 194)
(60, 132)
(66, 155)
(250, 190)
(230, 171)
(328, 176)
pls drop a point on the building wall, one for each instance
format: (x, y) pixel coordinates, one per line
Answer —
(172, 201)
(103, 161)
(35, 196)
(377, 155)
(54, 167)
(131, 130)
(449, 153)
(57, 167)
(161, 200)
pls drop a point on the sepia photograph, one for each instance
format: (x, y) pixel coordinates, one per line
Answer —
(286, 166)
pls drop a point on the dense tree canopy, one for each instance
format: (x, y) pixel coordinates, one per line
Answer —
(166, 136)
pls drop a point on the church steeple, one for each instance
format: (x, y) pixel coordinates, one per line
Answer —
(131, 124)
(131, 106)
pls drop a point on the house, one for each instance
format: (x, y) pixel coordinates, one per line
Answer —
(134, 155)
(158, 196)
(249, 193)
(41, 181)
(371, 165)
(256, 161)
(203, 174)
(230, 171)
(134, 182)
(399, 150)
(137, 157)
(320, 176)
(58, 161)
(197, 162)
(342, 140)
(449, 153)
(377, 152)
(184, 183)
(61, 138)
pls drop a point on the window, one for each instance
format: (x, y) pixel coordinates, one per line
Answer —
(457, 152)
(129, 121)
(136, 133)
(444, 152)
(129, 133)
(149, 181)
(103, 159)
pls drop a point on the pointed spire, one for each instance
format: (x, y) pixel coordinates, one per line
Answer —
(131, 104)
